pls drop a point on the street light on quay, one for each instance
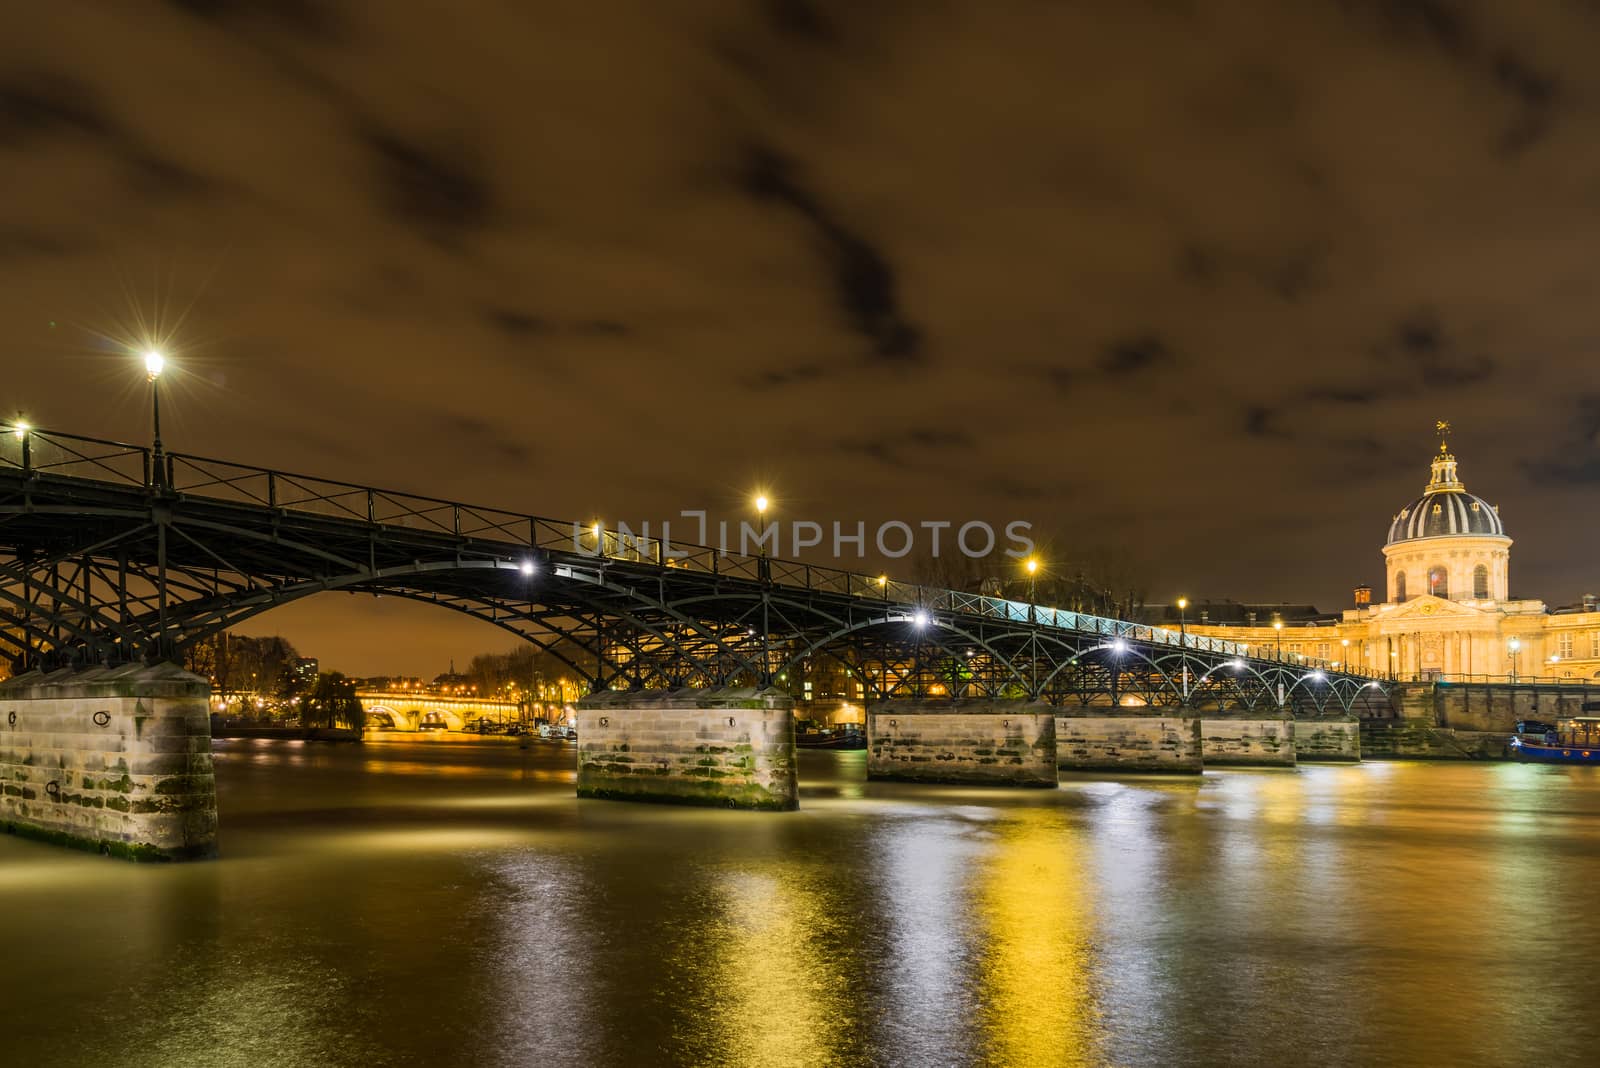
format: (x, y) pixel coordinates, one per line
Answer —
(1277, 625)
(1515, 646)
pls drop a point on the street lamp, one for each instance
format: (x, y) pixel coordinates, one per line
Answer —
(762, 503)
(1516, 647)
(764, 574)
(154, 364)
(1277, 625)
(1031, 565)
(1183, 629)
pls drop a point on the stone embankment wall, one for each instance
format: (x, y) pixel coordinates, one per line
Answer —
(1135, 743)
(974, 741)
(116, 760)
(1492, 708)
(1247, 739)
(728, 748)
(1422, 741)
(1327, 738)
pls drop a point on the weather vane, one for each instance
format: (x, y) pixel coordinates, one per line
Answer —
(1443, 428)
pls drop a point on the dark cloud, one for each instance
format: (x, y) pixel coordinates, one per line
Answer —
(1261, 421)
(1574, 458)
(303, 16)
(1343, 394)
(917, 446)
(1439, 23)
(1438, 362)
(39, 105)
(441, 190)
(475, 435)
(863, 279)
(1134, 355)
(799, 18)
(1535, 94)
(516, 323)
(773, 377)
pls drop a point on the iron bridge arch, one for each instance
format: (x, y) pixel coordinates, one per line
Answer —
(112, 552)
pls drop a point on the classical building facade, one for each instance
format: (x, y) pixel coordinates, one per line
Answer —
(1448, 610)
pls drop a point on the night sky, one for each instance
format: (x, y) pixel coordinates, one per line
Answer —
(1188, 280)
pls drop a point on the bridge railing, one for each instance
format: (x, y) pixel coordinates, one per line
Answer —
(47, 453)
(40, 452)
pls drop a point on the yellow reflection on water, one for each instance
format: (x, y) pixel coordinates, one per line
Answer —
(1034, 903)
(777, 1002)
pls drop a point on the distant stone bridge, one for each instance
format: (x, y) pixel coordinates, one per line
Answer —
(409, 711)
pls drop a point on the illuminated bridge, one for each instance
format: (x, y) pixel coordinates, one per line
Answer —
(114, 558)
(112, 553)
(405, 711)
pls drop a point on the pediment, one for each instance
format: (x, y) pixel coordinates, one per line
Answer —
(1428, 606)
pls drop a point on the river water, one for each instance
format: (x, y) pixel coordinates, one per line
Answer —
(436, 901)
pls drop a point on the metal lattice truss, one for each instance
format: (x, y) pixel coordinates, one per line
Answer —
(112, 552)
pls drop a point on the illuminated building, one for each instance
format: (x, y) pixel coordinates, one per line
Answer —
(1447, 610)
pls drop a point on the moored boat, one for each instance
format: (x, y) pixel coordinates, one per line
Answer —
(1570, 741)
(829, 738)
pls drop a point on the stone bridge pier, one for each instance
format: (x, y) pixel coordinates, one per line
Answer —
(114, 760)
(1107, 738)
(969, 741)
(729, 748)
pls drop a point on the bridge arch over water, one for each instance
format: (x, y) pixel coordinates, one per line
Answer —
(112, 552)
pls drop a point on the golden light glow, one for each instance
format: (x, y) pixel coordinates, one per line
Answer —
(1277, 624)
(761, 503)
(21, 430)
(1183, 602)
(883, 580)
(154, 363)
(1037, 1000)
(1032, 565)
(769, 932)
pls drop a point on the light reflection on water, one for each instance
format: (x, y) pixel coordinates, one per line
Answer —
(412, 902)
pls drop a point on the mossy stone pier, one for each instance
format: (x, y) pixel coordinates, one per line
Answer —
(725, 748)
(112, 760)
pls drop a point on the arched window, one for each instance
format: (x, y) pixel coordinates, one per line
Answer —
(1438, 581)
(1480, 582)
(1399, 587)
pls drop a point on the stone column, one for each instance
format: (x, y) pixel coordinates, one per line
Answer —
(726, 748)
(1104, 738)
(1248, 739)
(1327, 738)
(115, 760)
(973, 741)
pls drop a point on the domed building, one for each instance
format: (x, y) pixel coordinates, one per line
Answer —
(1448, 613)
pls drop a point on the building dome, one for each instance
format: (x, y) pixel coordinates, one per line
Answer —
(1445, 509)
